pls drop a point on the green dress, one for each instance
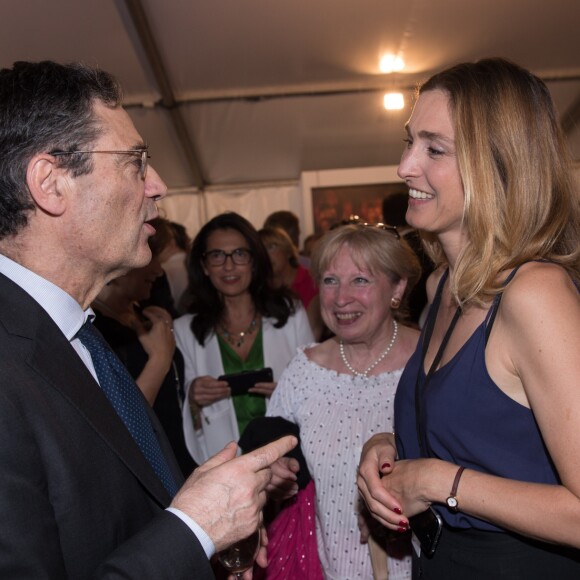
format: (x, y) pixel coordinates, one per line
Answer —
(248, 406)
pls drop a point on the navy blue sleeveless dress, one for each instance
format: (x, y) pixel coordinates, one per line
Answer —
(469, 421)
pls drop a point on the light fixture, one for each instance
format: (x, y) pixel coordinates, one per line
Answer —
(391, 63)
(393, 101)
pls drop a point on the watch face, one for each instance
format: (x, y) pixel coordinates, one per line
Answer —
(452, 502)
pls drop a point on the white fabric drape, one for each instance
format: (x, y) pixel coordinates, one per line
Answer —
(193, 209)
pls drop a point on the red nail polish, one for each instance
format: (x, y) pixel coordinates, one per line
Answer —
(385, 465)
(401, 530)
(403, 524)
(397, 510)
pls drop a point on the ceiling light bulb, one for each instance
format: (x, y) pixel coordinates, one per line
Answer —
(393, 101)
(391, 63)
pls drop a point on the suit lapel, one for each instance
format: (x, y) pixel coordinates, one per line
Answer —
(56, 362)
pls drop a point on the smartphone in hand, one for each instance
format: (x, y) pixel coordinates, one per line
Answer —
(240, 382)
(427, 526)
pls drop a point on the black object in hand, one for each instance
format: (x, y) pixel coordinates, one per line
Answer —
(240, 382)
(427, 526)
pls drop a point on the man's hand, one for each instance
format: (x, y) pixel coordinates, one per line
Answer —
(226, 494)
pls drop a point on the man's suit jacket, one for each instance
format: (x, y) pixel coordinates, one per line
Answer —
(77, 497)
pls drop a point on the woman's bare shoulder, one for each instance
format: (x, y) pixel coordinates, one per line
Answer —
(539, 283)
(538, 291)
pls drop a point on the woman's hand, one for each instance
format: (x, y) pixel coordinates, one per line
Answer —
(207, 390)
(410, 480)
(378, 459)
(283, 483)
(413, 485)
(265, 389)
(158, 341)
(159, 344)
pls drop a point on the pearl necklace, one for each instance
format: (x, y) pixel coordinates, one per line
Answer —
(365, 374)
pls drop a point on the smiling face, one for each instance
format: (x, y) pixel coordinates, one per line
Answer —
(429, 167)
(355, 303)
(113, 203)
(229, 279)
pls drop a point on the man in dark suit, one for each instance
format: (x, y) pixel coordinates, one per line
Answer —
(78, 499)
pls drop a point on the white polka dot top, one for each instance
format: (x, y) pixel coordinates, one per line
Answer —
(337, 413)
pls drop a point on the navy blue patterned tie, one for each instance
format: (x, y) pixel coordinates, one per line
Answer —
(123, 393)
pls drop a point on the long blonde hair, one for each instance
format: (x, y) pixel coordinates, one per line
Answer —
(520, 199)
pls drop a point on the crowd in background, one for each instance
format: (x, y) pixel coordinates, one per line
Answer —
(242, 299)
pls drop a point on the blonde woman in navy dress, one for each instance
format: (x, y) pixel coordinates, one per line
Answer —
(498, 415)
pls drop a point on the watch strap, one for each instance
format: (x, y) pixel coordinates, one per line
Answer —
(451, 501)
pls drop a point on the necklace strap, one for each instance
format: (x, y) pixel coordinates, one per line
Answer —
(420, 390)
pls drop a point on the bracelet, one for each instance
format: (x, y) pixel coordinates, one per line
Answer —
(451, 501)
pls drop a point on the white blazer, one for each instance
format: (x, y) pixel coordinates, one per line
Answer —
(218, 420)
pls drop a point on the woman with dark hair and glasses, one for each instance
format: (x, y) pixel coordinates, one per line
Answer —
(238, 322)
(341, 391)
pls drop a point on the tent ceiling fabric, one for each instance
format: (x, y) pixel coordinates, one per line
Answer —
(253, 91)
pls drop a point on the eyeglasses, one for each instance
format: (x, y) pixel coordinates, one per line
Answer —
(142, 153)
(240, 257)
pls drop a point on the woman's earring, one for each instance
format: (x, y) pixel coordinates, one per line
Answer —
(395, 303)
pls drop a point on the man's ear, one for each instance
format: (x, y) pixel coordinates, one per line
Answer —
(45, 182)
